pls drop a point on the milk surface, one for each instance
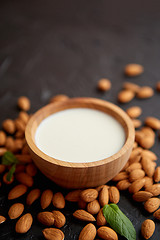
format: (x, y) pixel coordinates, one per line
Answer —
(80, 135)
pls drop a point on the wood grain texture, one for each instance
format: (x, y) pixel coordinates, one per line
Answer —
(80, 175)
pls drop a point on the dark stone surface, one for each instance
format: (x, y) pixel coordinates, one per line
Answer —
(51, 47)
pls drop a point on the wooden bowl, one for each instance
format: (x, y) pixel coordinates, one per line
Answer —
(80, 175)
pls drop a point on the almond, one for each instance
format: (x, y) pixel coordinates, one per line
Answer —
(157, 174)
(136, 123)
(46, 198)
(20, 125)
(59, 98)
(2, 219)
(101, 221)
(99, 188)
(58, 200)
(93, 207)
(89, 195)
(136, 185)
(82, 204)
(9, 126)
(88, 232)
(23, 103)
(120, 176)
(83, 215)
(24, 223)
(2, 168)
(19, 134)
(24, 158)
(104, 84)
(133, 166)
(33, 196)
(153, 122)
(138, 136)
(114, 195)
(148, 166)
(53, 234)
(133, 69)
(24, 117)
(142, 196)
(136, 152)
(17, 191)
(73, 196)
(2, 138)
(46, 218)
(107, 233)
(24, 178)
(10, 144)
(59, 219)
(16, 210)
(152, 204)
(154, 189)
(147, 142)
(131, 86)
(158, 86)
(149, 154)
(125, 166)
(31, 169)
(5, 179)
(125, 96)
(135, 145)
(104, 196)
(20, 168)
(148, 182)
(134, 112)
(18, 145)
(145, 92)
(123, 185)
(157, 214)
(147, 228)
(25, 150)
(2, 151)
(136, 174)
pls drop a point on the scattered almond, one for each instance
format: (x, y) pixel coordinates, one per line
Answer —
(158, 86)
(17, 191)
(120, 176)
(89, 195)
(157, 214)
(136, 185)
(46, 198)
(125, 96)
(154, 189)
(2, 219)
(24, 117)
(88, 232)
(33, 196)
(134, 111)
(157, 175)
(20, 125)
(93, 207)
(53, 234)
(24, 158)
(123, 185)
(136, 174)
(23, 103)
(16, 210)
(46, 218)
(153, 122)
(24, 178)
(107, 233)
(24, 223)
(83, 215)
(147, 228)
(152, 204)
(114, 195)
(2, 138)
(2, 168)
(31, 169)
(149, 154)
(145, 92)
(104, 196)
(136, 123)
(59, 219)
(5, 179)
(73, 196)
(147, 142)
(131, 86)
(133, 69)
(133, 166)
(104, 84)
(148, 182)
(142, 196)
(58, 200)
(148, 166)
(9, 126)
(2, 151)
(101, 221)
(82, 204)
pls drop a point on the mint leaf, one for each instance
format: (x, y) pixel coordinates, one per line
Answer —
(9, 158)
(119, 222)
(10, 173)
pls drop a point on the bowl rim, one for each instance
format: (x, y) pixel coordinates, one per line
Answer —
(67, 103)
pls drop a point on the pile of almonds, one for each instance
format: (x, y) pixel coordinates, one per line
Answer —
(140, 176)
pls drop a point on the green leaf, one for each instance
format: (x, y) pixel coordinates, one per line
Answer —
(119, 222)
(9, 158)
(11, 172)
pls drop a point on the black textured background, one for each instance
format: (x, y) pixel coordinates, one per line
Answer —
(51, 47)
